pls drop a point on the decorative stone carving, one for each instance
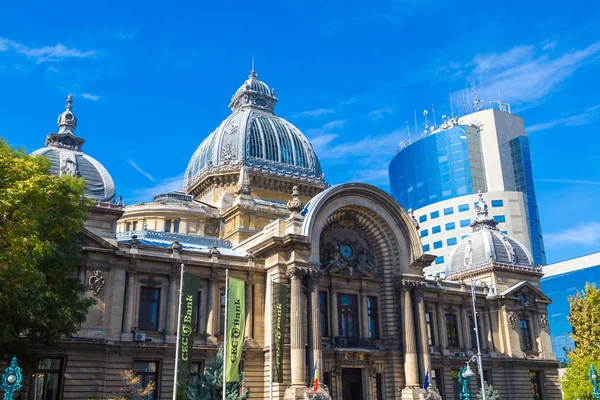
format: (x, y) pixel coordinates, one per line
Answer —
(228, 152)
(468, 252)
(243, 186)
(512, 319)
(295, 205)
(152, 281)
(96, 282)
(512, 254)
(176, 247)
(405, 284)
(134, 242)
(432, 394)
(544, 322)
(297, 272)
(69, 168)
(214, 252)
(411, 214)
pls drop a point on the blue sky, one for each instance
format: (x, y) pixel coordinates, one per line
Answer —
(152, 79)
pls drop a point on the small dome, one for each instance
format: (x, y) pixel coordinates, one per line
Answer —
(253, 136)
(63, 149)
(486, 244)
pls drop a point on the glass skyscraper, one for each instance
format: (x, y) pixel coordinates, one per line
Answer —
(485, 151)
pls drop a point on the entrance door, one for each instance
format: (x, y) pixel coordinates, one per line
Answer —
(352, 384)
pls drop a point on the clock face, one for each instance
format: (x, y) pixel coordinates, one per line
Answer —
(346, 251)
(69, 117)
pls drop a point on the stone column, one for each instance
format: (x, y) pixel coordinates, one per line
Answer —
(464, 316)
(249, 311)
(333, 315)
(410, 346)
(128, 315)
(487, 334)
(441, 317)
(314, 320)
(423, 340)
(213, 308)
(298, 360)
(172, 306)
(364, 314)
(460, 327)
(536, 332)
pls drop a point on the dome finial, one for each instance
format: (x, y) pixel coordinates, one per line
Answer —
(67, 121)
(483, 219)
(69, 106)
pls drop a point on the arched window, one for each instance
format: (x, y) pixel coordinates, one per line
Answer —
(256, 149)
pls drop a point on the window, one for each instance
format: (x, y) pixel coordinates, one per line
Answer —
(436, 380)
(127, 226)
(167, 225)
(47, 380)
(463, 208)
(465, 222)
(222, 314)
(327, 379)
(536, 385)
(426, 247)
(196, 371)
(437, 245)
(148, 372)
(323, 313)
(423, 218)
(525, 335)
(424, 233)
(428, 322)
(451, 241)
(500, 218)
(149, 305)
(348, 315)
(198, 321)
(379, 386)
(435, 214)
(448, 211)
(452, 330)
(372, 317)
(439, 260)
(497, 203)
(436, 229)
(135, 225)
(450, 226)
(176, 226)
(456, 384)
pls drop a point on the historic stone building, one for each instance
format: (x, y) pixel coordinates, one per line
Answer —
(254, 201)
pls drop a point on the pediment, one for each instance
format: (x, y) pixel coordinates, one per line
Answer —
(527, 293)
(91, 240)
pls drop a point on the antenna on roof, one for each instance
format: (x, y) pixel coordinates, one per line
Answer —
(467, 92)
(408, 130)
(477, 104)
(252, 62)
(433, 112)
(425, 113)
(451, 108)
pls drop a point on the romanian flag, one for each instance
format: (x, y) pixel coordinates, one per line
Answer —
(315, 379)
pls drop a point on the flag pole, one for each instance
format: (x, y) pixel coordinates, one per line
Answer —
(225, 335)
(178, 332)
(271, 348)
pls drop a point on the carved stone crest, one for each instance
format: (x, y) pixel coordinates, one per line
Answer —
(512, 319)
(228, 152)
(468, 252)
(544, 322)
(96, 282)
(512, 254)
(69, 167)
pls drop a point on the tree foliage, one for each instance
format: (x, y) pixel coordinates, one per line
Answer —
(210, 384)
(41, 218)
(132, 389)
(490, 393)
(584, 316)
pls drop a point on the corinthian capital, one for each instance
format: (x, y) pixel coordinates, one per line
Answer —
(296, 272)
(405, 284)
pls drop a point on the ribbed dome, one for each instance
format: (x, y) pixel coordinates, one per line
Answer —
(63, 149)
(253, 136)
(487, 244)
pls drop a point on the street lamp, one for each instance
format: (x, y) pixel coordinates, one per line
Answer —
(464, 374)
(11, 379)
(594, 381)
(490, 296)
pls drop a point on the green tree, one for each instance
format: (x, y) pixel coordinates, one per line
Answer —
(210, 384)
(41, 218)
(490, 393)
(584, 316)
(132, 388)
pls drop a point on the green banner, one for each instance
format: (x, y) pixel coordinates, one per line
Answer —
(189, 308)
(236, 322)
(278, 329)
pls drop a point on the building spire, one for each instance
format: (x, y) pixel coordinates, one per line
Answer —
(65, 138)
(67, 121)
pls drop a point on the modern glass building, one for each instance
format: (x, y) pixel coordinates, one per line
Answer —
(485, 151)
(560, 281)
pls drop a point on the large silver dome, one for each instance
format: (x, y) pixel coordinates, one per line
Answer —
(253, 136)
(485, 245)
(63, 149)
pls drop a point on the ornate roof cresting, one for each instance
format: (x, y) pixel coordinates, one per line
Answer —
(295, 205)
(411, 214)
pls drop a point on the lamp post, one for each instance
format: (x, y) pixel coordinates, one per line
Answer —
(11, 379)
(490, 296)
(463, 379)
(594, 381)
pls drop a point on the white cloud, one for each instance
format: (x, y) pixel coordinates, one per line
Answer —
(320, 143)
(373, 176)
(380, 113)
(57, 52)
(338, 123)
(138, 169)
(164, 186)
(367, 149)
(315, 113)
(122, 34)
(89, 96)
(585, 234)
(573, 181)
(590, 115)
(524, 74)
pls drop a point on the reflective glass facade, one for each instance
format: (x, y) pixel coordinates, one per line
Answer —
(441, 166)
(559, 288)
(521, 163)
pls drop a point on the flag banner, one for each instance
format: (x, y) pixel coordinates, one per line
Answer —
(278, 329)
(236, 322)
(315, 379)
(189, 308)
